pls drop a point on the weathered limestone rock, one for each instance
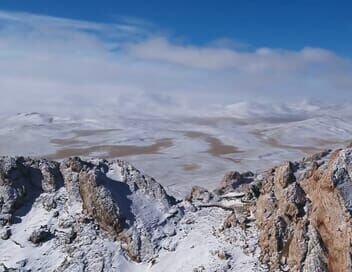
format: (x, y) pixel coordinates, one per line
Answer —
(119, 199)
(22, 180)
(98, 202)
(233, 181)
(13, 185)
(113, 201)
(200, 194)
(316, 258)
(303, 214)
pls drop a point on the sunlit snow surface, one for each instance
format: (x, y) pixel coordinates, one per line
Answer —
(183, 151)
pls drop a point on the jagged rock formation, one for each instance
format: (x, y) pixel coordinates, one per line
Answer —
(303, 213)
(110, 203)
(77, 198)
(98, 215)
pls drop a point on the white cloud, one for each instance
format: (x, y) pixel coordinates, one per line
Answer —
(60, 65)
(262, 59)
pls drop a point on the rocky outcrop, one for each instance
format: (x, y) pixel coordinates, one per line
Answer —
(200, 194)
(22, 180)
(89, 188)
(235, 181)
(40, 235)
(302, 211)
(114, 197)
(112, 193)
(303, 214)
(90, 213)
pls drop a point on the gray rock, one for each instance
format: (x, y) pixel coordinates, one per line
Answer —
(70, 236)
(316, 259)
(6, 234)
(342, 174)
(200, 194)
(223, 255)
(199, 269)
(40, 235)
(49, 203)
(234, 181)
(22, 263)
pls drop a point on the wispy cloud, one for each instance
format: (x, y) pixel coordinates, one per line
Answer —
(55, 64)
(260, 60)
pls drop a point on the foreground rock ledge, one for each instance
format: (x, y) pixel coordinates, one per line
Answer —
(100, 215)
(304, 214)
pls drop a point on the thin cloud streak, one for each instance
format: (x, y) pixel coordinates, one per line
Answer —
(262, 59)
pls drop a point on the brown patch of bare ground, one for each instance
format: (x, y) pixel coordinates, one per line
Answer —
(190, 167)
(92, 132)
(112, 151)
(81, 133)
(210, 121)
(320, 143)
(216, 147)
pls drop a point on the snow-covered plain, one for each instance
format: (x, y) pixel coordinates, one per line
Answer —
(182, 151)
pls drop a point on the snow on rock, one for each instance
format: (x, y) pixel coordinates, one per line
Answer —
(85, 212)
(99, 215)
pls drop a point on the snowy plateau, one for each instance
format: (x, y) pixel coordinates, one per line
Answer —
(269, 190)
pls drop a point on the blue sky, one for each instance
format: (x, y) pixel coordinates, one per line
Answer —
(184, 56)
(279, 24)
